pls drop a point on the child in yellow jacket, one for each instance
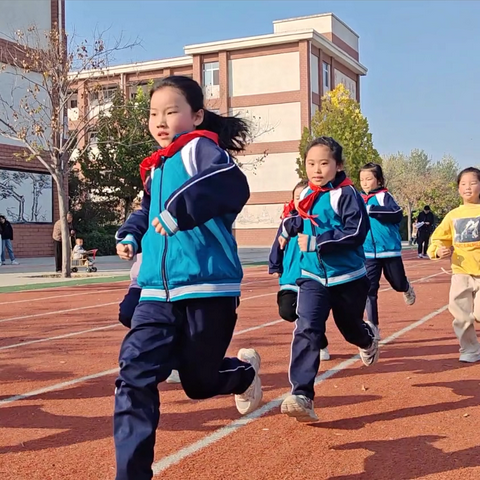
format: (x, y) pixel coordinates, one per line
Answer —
(458, 236)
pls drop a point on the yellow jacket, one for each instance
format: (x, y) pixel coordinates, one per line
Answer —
(461, 229)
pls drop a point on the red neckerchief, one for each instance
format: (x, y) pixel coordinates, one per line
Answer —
(367, 196)
(154, 160)
(288, 208)
(307, 203)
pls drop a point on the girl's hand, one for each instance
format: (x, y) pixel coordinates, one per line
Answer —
(125, 251)
(303, 242)
(283, 242)
(444, 252)
(159, 227)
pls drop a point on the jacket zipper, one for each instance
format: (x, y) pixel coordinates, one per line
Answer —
(164, 256)
(322, 265)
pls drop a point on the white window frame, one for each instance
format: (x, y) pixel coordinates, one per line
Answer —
(326, 76)
(209, 70)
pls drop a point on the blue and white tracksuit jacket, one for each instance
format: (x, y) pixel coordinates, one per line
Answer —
(335, 251)
(196, 194)
(286, 262)
(383, 239)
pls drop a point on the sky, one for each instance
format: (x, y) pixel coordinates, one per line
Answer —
(422, 89)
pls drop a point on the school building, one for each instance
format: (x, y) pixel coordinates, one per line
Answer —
(28, 196)
(276, 80)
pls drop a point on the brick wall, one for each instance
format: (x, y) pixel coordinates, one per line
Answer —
(255, 237)
(29, 240)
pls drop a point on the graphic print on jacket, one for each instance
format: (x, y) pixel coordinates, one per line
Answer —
(196, 194)
(383, 239)
(336, 253)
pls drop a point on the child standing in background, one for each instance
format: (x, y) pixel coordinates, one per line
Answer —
(285, 263)
(130, 302)
(458, 236)
(383, 245)
(333, 276)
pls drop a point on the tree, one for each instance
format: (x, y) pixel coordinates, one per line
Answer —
(415, 181)
(44, 73)
(441, 191)
(122, 141)
(340, 117)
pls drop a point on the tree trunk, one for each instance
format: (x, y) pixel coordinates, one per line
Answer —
(409, 213)
(63, 209)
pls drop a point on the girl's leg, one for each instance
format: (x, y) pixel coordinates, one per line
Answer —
(348, 304)
(461, 306)
(128, 305)
(308, 336)
(287, 309)
(146, 358)
(287, 305)
(2, 255)
(374, 273)
(394, 272)
(206, 333)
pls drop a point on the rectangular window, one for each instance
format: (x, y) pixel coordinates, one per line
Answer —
(326, 77)
(211, 74)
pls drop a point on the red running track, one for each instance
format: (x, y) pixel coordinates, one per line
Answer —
(414, 415)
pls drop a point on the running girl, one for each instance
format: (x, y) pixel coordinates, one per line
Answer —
(284, 261)
(333, 276)
(383, 245)
(190, 274)
(458, 236)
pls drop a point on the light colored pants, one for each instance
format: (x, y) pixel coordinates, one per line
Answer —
(464, 305)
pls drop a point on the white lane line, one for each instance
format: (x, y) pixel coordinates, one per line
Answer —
(174, 458)
(59, 386)
(419, 280)
(59, 337)
(58, 312)
(107, 327)
(91, 292)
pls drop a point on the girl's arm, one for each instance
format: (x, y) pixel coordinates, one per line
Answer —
(441, 237)
(388, 211)
(275, 260)
(217, 187)
(136, 225)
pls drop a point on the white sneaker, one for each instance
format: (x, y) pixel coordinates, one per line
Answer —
(3, 263)
(174, 377)
(324, 354)
(469, 357)
(299, 407)
(14, 262)
(420, 256)
(409, 295)
(249, 400)
(370, 355)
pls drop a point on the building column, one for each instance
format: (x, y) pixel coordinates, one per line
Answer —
(305, 87)
(197, 69)
(224, 76)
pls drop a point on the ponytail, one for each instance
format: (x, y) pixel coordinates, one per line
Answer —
(233, 132)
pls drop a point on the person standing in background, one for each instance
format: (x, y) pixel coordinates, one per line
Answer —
(6, 235)
(425, 223)
(57, 240)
